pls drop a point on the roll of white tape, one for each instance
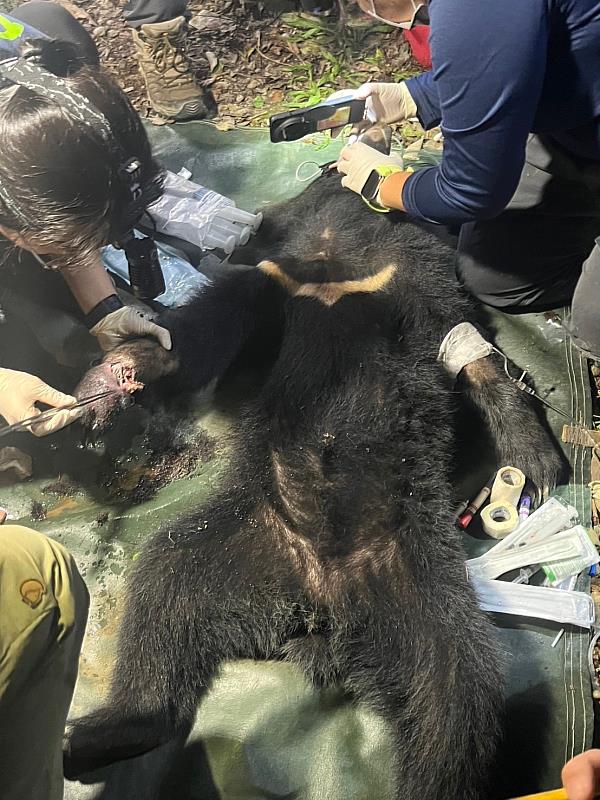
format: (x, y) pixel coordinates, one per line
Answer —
(499, 519)
(508, 485)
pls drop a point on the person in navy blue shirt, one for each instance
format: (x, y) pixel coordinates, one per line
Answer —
(515, 87)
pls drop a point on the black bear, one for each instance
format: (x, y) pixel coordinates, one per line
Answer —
(330, 542)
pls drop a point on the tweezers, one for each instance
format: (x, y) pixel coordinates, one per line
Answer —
(24, 424)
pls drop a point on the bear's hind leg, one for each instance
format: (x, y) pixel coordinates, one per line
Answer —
(185, 616)
(438, 688)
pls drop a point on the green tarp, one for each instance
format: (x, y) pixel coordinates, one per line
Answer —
(263, 732)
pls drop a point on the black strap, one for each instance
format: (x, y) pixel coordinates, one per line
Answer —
(104, 307)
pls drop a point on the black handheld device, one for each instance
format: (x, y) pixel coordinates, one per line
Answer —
(291, 125)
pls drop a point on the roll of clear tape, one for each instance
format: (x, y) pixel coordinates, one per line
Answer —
(499, 519)
(508, 485)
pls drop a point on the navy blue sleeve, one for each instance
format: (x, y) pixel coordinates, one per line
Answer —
(424, 92)
(489, 61)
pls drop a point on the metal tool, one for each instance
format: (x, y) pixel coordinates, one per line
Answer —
(524, 387)
(24, 424)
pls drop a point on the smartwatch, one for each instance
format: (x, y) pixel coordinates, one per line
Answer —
(373, 183)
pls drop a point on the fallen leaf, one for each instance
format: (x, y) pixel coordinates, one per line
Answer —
(66, 504)
(208, 22)
(213, 61)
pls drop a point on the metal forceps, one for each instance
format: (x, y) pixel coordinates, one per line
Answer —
(24, 424)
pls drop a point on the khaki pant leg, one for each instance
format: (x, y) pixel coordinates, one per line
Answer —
(43, 612)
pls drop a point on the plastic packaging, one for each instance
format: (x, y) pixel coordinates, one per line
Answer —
(559, 571)
(566, 607)
(568, 584)
(573, 544)
(181, 279)
(525, 573)
(199, 215)
(550, 518)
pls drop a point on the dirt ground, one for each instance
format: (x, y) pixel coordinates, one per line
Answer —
(257, 58)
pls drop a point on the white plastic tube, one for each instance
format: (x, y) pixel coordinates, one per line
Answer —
(573, 608)
(215, 239)
(234, 214)
(241, 233)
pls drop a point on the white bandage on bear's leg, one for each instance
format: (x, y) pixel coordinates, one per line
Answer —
(461, 346)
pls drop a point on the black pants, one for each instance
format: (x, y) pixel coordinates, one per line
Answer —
(143, 12)
(59, 24)
(542, 252)
(56, 22)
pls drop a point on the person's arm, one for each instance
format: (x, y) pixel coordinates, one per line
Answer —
(424, 92)
(109, 320)
(488, 69)
(89, 283)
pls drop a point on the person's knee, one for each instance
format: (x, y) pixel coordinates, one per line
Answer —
(584, 321)
(56, 22)
(43, 610)
(36, 12)
(39, 576)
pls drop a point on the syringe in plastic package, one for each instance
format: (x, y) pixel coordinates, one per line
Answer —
(201, 216)
(566, 607)
(566, 546)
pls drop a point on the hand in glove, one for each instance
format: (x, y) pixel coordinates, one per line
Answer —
(385, 103)
(128, 323)
(19, 392)
(358, 160)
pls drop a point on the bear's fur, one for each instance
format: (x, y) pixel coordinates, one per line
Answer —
(331, 542)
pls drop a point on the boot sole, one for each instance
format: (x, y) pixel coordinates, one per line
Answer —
(194, 109)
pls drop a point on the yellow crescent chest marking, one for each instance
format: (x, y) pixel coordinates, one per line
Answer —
(328, 293)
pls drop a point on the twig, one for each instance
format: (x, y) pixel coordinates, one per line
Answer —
(264, 55)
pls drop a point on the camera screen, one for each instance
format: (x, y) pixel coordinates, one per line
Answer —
(339, 117)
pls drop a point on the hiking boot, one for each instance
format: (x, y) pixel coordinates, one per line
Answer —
(170, 84)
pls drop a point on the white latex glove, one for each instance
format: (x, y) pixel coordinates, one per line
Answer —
(386, 103)
(19, 392)
(128, 323)
(358, 160)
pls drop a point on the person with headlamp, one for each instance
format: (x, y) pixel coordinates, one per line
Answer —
(516, 89)
(76, 173)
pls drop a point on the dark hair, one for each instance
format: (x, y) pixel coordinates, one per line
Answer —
(62, 178)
